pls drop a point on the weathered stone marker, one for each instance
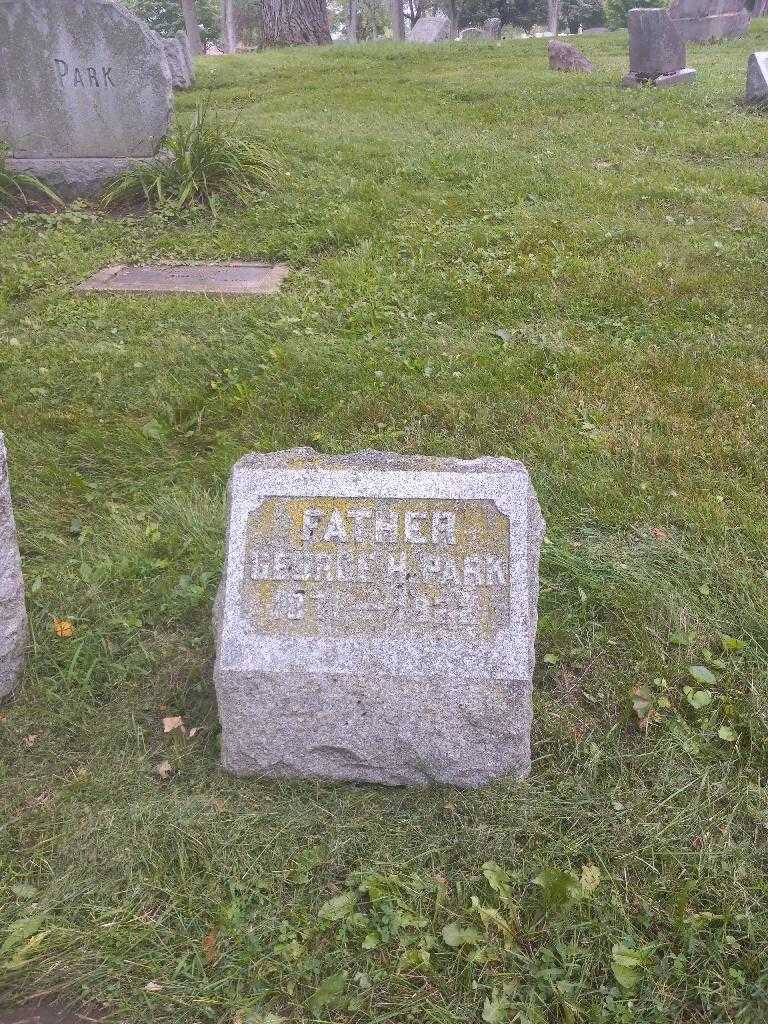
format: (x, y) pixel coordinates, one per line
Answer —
(431, 28)
(376, 618)
(564, 57)
(757, 78)
(186, 49)
(474, 35)
(13, 615)
(177, 62)
(493, 27)
(85, 91)
(179, 278)
(656, 50)
(701, 21)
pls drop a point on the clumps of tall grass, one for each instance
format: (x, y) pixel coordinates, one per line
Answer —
(206, 162)
(15, 185)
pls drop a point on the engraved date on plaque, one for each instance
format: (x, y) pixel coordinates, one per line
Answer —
(335, 566)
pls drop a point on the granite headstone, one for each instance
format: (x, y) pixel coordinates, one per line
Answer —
(564, 57)
(702, 21)
(177, 62)
(656, 50)
(187, 51)
(431, 28)
(757, 78)
(13, 615)
(85, 91)
(474, 35)
(376, 618)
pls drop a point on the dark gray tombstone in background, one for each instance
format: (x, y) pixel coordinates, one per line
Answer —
(656, 49)
(757, 78)
(702, 21)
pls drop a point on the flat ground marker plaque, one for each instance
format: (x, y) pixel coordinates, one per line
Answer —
(376, 618)
(181, 278)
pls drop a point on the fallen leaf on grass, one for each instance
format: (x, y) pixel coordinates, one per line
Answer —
(164, 769)
(174, 722)
(63, 628)
(328, 994)
(152, 986)
(339, 907)
(590, 877)
(194, 731)
(30, 741)
(454, 936)
(658, 534)
(642, 703)
(210, 946)
(703, 675)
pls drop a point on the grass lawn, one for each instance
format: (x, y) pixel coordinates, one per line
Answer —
(489, 258)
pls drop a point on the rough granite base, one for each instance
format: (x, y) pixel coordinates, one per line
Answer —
(83, 178)
(685, 76)
(376, 618)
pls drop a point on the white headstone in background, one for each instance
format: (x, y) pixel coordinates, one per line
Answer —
(376, 618)
(431, 28)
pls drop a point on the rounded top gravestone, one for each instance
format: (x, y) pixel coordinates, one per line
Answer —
(81, 80)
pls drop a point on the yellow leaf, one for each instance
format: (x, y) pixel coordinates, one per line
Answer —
(590, 877)
(63, 628)
(210, 947)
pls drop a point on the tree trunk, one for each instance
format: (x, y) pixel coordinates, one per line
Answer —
(352, 29)
(760, 9)
(294, 22)
(398, 21)
(192, 24)
(554, 15)
(228, 26)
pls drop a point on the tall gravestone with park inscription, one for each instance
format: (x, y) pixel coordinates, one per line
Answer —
(85, 91)
(376, 618)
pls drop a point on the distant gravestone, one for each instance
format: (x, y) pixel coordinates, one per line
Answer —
(85, 91)
(376, 618)
(493, 27)
(656, 51)
(177, 63)
(473, 35)
(189, 278)
(701, 21)
(564, 57)
(757, 78)
(432, 28)
(186, 49)
(13, 615)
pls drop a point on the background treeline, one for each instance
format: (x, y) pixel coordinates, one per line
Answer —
(374, 18)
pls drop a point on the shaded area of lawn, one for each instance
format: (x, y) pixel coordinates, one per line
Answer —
(489, 258)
